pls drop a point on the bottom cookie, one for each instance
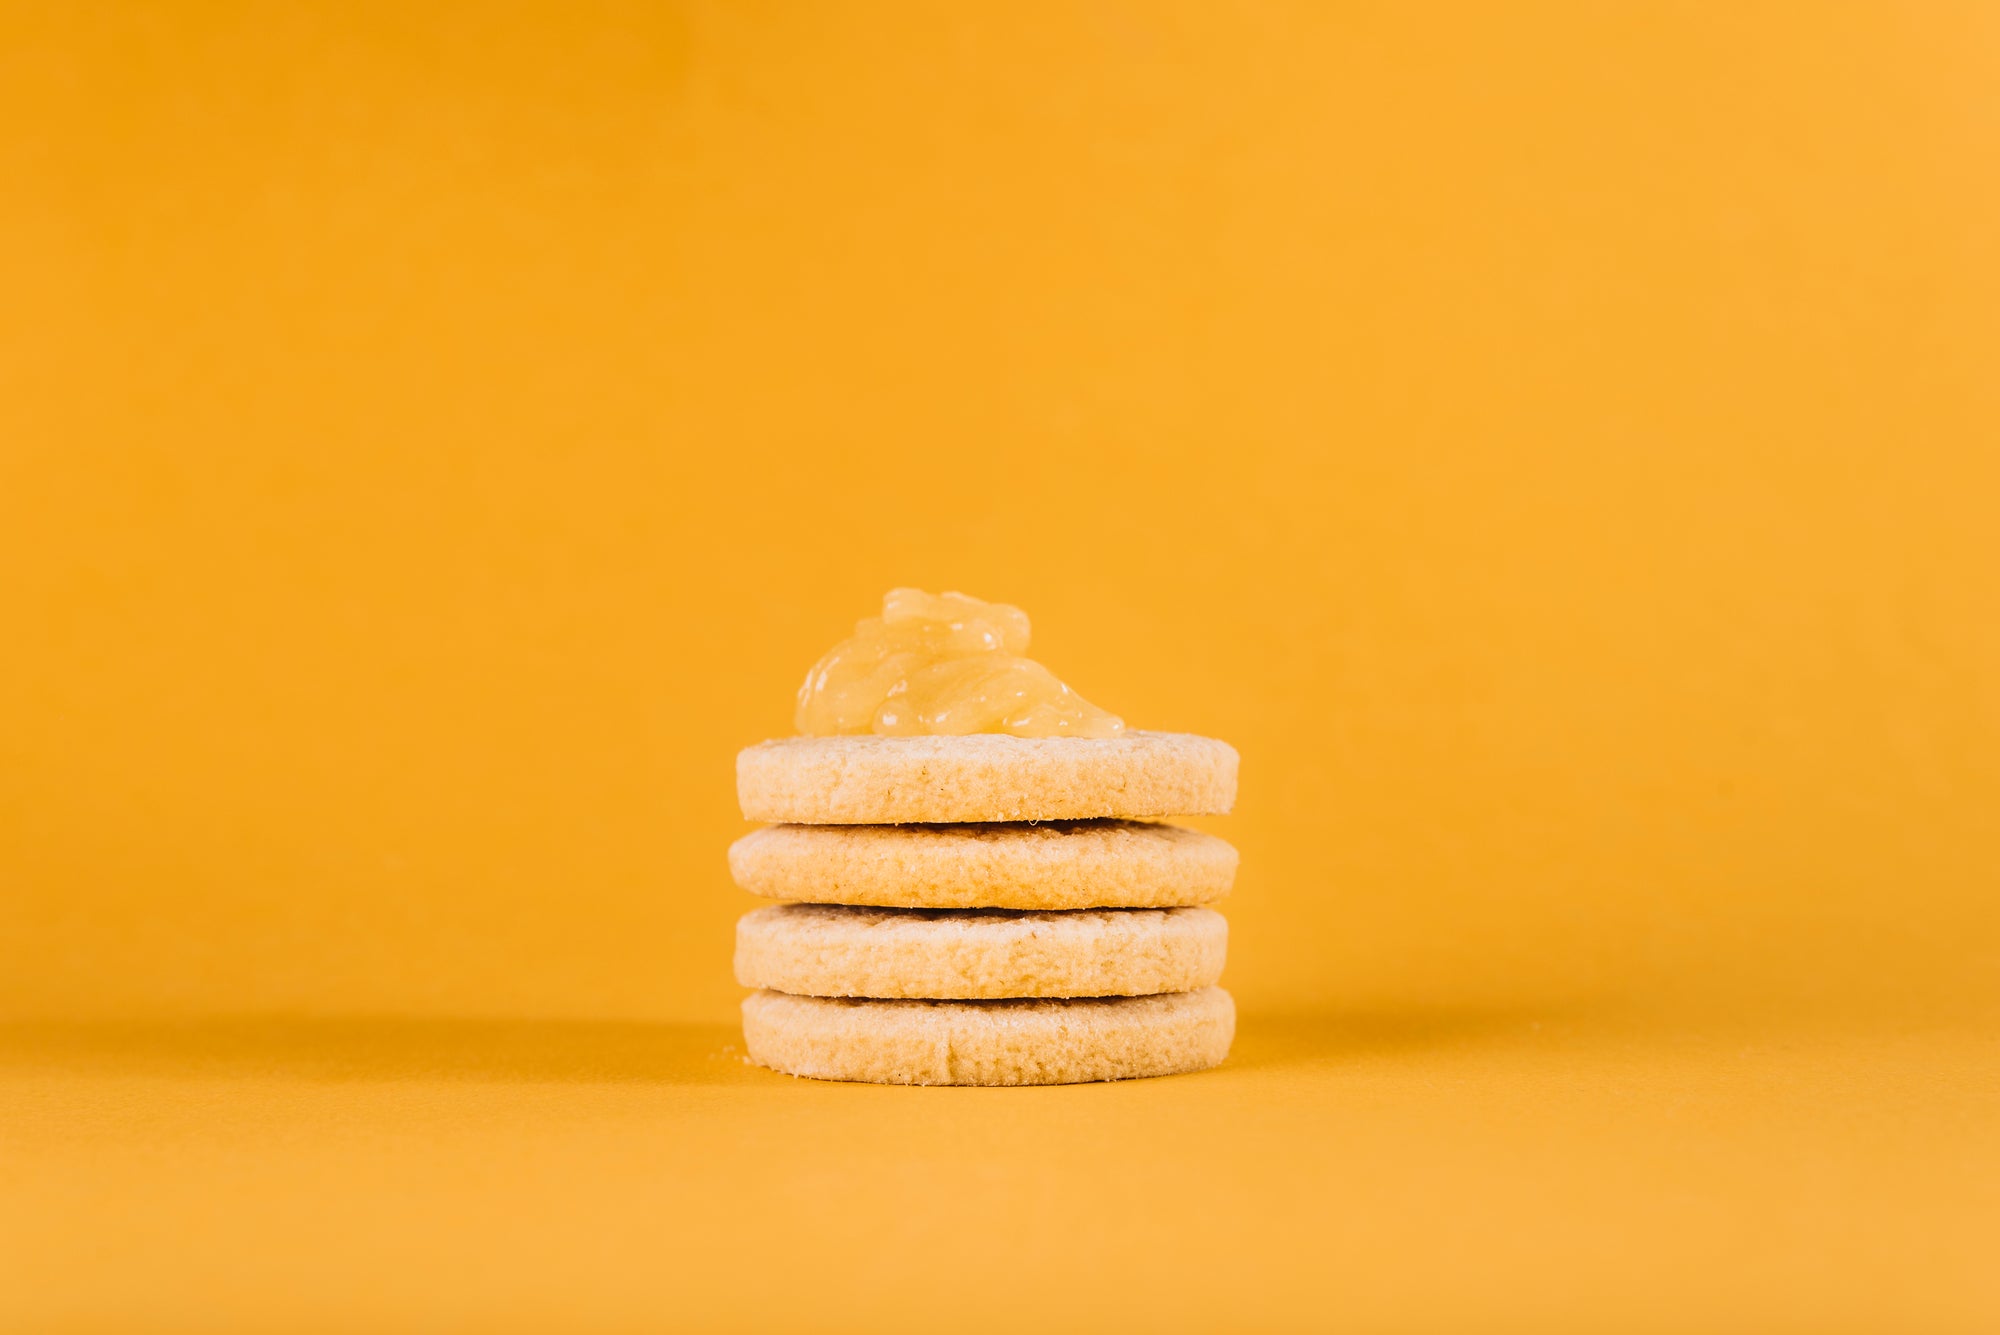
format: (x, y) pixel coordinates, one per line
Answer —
(1036, 1042)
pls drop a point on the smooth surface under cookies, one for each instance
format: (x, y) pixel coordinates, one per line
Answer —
(984, 777)
(827, 950)
(989, 1042)
(1057, 865)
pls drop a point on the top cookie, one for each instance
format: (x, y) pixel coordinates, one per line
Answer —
(984, 777)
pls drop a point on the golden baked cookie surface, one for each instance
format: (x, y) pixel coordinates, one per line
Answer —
(1052, 865)
(989, 1042)
(826, 950)
(984, 777)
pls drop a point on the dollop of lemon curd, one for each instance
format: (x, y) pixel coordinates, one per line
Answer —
(942, 664)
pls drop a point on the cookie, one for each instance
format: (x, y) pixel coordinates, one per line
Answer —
(984, 777)
(827, 950)
(1060, 865)
(989, 1042)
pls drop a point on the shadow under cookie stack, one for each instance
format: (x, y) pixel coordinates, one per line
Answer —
(984, 909)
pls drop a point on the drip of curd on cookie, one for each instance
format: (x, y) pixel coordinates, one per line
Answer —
(942, 664)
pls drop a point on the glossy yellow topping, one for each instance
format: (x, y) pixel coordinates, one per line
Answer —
(942, 664)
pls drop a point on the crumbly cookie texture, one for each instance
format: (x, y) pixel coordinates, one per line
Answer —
(984, 777)
(826, 950)
(1057, 865)
(989, 1042)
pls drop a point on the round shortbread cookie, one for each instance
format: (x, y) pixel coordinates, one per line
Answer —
(828, 950)
(989, 1042)
(984, 777)
(1060, 865)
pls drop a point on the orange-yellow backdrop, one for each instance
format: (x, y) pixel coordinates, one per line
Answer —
(1560, 446)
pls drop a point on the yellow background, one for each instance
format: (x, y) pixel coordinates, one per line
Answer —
(1559, 445)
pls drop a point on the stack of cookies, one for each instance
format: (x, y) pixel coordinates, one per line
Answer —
(984, 909)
